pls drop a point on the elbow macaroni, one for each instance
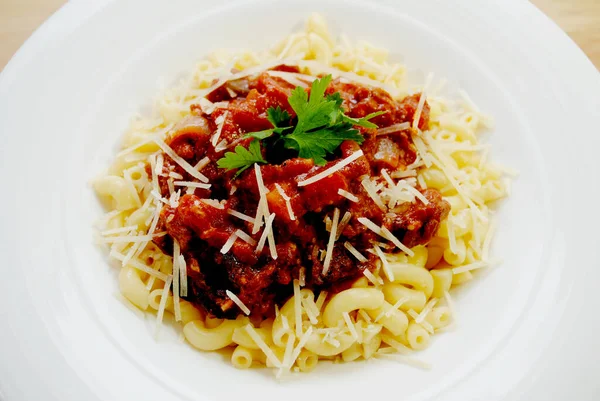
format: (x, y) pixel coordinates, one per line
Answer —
(210, 339)
(350, 300)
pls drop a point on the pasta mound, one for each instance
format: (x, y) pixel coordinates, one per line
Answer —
(394, 310)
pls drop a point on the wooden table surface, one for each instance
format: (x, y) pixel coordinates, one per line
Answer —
(579, 18)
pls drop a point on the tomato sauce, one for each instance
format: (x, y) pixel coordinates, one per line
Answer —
(260, 281)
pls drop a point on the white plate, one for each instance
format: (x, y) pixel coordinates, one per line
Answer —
(527, 330)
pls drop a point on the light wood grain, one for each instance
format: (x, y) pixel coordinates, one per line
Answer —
(579, 18)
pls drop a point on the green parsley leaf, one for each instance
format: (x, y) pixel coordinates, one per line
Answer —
(314, 112)
(242, 158)
(266, 133)
(316, 144)
(278, 117)
(336, 97)
(364, 121)
(338, 112)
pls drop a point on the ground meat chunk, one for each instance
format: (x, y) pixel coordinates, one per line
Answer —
(407, 108)
(416, 223)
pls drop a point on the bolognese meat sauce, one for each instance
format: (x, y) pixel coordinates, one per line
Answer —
(202, 222)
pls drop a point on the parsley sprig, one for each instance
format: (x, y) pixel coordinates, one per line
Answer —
(321, 126)
(242, 158)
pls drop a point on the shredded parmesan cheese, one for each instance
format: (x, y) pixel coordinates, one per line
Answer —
(301, 344)
(404, 174)
(330, 243)
(183, 274)
(289, 347)
(302, 276)
(202, 163)
(412, 313)
(290, 77)
(350, 325)
(262, 345)
(384, 263)
(396, 306)
(213, 202)
(355, 252)
(426, 310)
(343, 223)
(470, 266)
(297, 309)
(387, 234)
(336, 167)
(375, 280)
(451, 306)
(179, 160)
(176, 278)
(175, 175)
(393, 128)
(370, 225)
(221, 122)
(364, 315)
(347, 195)
(263, 237)
(372, 192)
(263, 206)
(221, 146)
(287, 200)
(422, 98)
(245, 237)
(140, 266)
(120, 230)
(238, 302)
(321, 300)
(229, 243)
(127, 238)
(160, 160)
(241, 216)
(191, 184)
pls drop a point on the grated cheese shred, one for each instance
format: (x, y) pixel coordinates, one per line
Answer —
(355, 252)
(245, 237)
(350, 325)
(331, 242)
(375, 280)
(221, 123)
(238, 302)
(384, 263)
(393, 128)
(343, 223)
(347, 195)
(229, 243)
(297, 308)
(262, 345)
(287, 200)
(241, 216)
(180, 161)
(336, 167)
(263, 237)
